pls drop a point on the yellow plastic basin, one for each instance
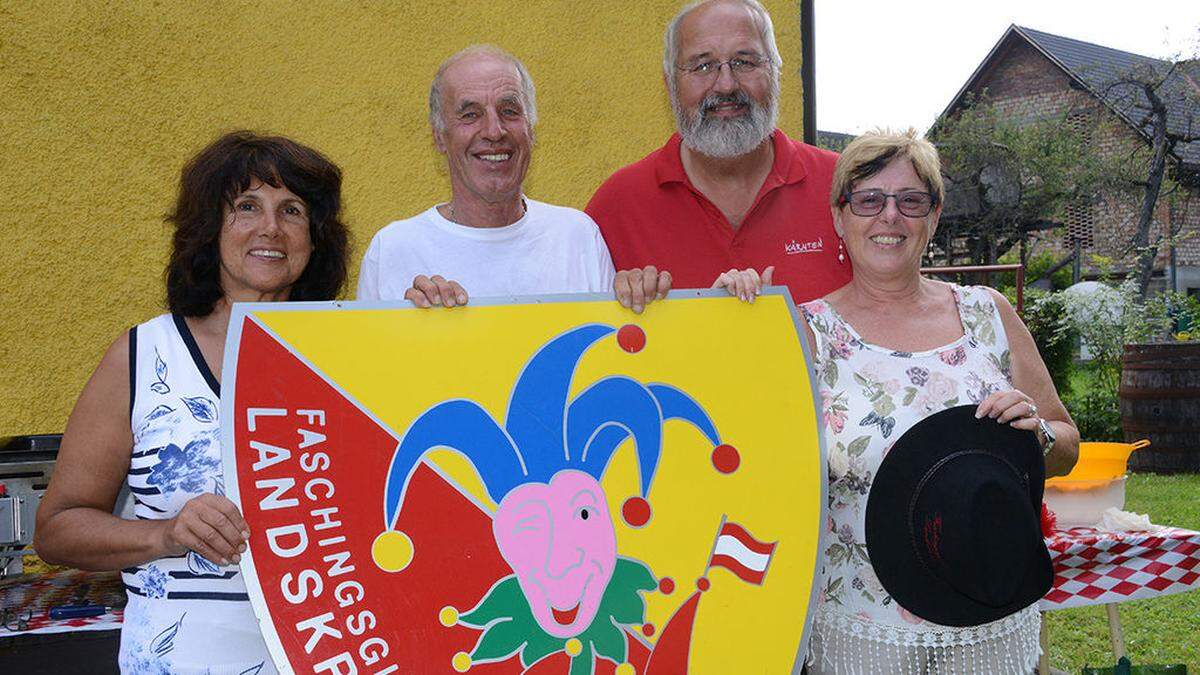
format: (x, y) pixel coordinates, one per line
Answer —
(1098, 463)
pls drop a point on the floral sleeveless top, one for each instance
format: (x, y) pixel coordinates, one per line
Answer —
(186, 614)
(871, 395)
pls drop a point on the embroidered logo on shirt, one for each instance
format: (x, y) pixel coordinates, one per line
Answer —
(796, 247)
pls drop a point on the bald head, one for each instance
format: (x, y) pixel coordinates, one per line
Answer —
(464, 58)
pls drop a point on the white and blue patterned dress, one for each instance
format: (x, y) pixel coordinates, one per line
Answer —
(185, 613)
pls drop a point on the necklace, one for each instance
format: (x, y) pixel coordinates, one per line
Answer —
(450, 208)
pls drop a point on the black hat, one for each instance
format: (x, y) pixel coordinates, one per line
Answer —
(952, 521)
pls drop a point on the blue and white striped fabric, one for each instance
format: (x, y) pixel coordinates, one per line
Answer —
(185, 614)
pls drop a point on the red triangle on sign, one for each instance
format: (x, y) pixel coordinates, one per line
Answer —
(335, 502)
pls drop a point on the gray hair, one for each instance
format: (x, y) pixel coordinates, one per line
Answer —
(736, 137)
(527, 89)
(766, 31)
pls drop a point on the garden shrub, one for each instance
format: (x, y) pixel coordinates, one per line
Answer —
(1045, 315)
(1036, 267)
(1106, 323)
(1096, 410)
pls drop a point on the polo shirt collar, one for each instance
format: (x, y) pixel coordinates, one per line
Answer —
(788, 167)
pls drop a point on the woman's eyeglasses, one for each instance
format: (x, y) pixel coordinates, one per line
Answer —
(912, 203)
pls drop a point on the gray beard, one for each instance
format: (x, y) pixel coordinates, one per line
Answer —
(724, 138)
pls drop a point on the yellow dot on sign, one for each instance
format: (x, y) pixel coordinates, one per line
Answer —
(625, 669)
(392, 551)
(461, 662)
(574, 646)
(448, 616)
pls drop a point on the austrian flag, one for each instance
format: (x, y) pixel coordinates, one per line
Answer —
(739, 552)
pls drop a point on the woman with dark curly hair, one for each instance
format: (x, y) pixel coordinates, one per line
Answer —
(257, 220)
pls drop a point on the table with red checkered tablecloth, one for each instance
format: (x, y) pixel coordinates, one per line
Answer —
(29, 599)
(32, 642)
(1094, 567)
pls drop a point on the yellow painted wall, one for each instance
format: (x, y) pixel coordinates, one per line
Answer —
(102, 102)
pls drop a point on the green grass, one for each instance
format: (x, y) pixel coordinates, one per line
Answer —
(1161, 630)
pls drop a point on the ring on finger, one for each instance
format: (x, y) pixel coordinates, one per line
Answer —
(1033, 411)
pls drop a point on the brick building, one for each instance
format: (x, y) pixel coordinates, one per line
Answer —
(1031, 75)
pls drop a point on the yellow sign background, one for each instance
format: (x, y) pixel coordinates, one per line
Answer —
(742, 363)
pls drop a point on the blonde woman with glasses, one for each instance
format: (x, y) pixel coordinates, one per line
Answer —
(891, 348)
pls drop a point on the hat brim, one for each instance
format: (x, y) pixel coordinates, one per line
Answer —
(889, 536)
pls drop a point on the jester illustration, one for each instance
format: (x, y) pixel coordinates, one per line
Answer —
(569, 590)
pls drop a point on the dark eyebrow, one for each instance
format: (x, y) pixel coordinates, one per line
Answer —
(511, 99)
(740, 52)
(466, 104)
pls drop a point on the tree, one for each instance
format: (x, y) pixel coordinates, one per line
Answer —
(1162, 100)
(1006, 178)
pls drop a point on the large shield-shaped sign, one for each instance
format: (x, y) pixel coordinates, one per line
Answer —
(556, 486)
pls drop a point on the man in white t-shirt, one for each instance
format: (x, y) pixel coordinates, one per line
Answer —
(490, 239)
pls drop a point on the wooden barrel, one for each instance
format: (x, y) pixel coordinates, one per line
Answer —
(1160, 401)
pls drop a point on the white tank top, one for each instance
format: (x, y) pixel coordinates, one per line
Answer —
(185, 613)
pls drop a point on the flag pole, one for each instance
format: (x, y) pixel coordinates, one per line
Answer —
(713, 550)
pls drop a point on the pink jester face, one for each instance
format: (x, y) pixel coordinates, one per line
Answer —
(559, 540)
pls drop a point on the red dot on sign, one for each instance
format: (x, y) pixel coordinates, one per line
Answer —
(726, 458)
(636, 511)
(702, 584)
(666, 585)
(647, 629)
(631, 338)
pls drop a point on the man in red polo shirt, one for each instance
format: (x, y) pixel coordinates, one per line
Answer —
(729, 197)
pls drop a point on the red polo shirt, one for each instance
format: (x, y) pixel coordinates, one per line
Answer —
(650, 214)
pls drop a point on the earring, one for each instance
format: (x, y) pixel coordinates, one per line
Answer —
(841, 251)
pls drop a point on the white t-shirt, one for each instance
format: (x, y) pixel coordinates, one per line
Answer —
(551, 249)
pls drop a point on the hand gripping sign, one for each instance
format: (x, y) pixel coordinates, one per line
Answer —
(556, 487)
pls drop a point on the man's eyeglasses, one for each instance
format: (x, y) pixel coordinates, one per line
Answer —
(738, 65)
(912, 203)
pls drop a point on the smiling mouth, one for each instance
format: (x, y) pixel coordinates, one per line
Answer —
(725, 110)
(887, 240)
(565, 617)
(264, 253)
(494, 157)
